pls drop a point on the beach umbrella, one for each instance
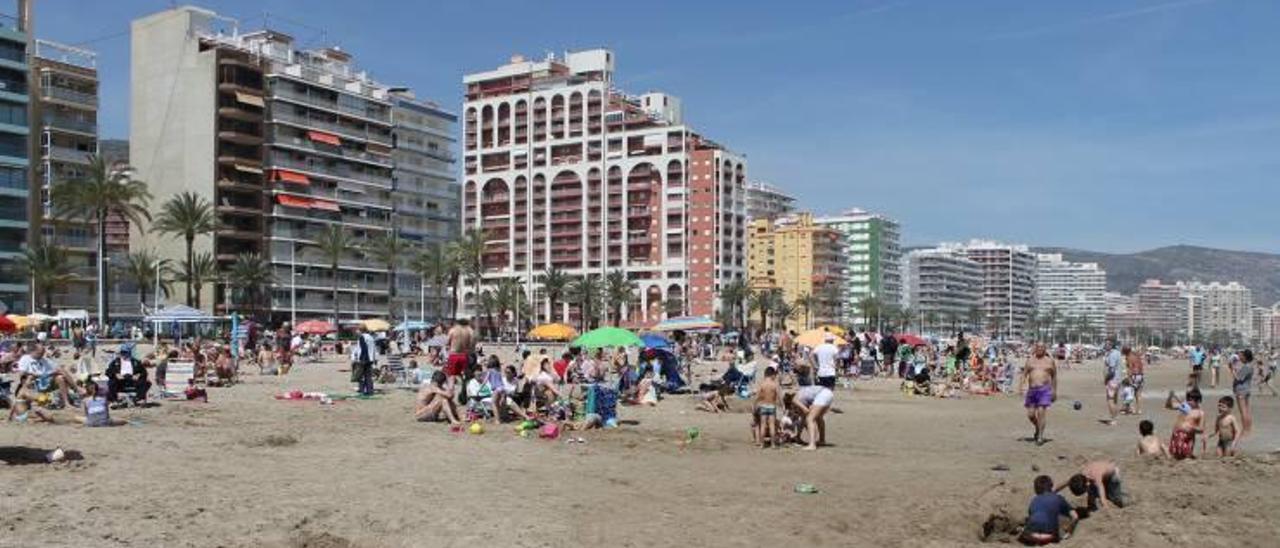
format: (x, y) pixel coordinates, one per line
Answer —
(839, 331)
(413, 325)
(40, 318)
(438, 340)
(913, 340)
(7, 325)
(687, 323)
(314, 327)
(653, 340)
(815, 337)
(376, 324)
(607, 337)
(22, 322)
(553, 332)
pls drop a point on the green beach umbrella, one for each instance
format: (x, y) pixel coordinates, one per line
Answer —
(606, 337)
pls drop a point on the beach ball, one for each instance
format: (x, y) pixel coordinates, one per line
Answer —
(1077, 405)
(476, 428)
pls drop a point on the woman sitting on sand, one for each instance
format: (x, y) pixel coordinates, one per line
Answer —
(434, 400)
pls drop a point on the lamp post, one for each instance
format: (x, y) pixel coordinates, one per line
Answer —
(293, 285)
(422, 304)
(355, 293)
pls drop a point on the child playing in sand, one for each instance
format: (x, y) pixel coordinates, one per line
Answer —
(646, 393)
(1126, 397)
(713, 401)
(1044, 513)
(96, 408)
(766, 408)
(1226, 428)
(1100, 480)
(1182, 443)
(26, 401)
(1149, 445)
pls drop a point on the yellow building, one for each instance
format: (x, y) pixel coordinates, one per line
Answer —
(802, 261)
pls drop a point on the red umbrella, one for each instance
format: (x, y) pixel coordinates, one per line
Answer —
(913, 340)
(7, 325)
(315, 327)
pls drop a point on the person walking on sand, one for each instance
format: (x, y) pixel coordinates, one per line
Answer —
(1242, 386)
(461, 344)
(1040, 384)
(1112, 363)
(364, 356)
(1137, 376)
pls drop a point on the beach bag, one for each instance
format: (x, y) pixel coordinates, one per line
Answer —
(549, 431)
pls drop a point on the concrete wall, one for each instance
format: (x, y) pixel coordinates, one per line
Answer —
(171, 129)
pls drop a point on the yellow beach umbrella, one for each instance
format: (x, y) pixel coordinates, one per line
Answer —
(839, 331)
(21, 322)
(815, 337)
(553, 332)
(376, 324)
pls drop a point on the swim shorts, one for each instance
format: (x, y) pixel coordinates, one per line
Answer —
(767, 409)
(1039, 396)
(824, 397)
(457, 363)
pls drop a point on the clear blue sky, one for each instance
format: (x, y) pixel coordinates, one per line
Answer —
(1114, 125)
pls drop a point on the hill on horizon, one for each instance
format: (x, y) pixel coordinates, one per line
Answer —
(1260, 272)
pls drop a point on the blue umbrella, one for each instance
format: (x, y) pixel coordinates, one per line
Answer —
(413, 325)
(655, 341)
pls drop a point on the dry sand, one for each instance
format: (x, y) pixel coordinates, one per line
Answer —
(247, 470)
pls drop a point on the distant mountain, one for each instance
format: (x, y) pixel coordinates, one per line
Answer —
(1260, 272)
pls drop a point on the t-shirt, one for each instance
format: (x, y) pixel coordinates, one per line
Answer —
(126, 366)
(561, 367)
(1044, 511)
(1112, 363)
(1197, 357)
(826, 354)
(1244, 379)
(532, 365)
(40, 367)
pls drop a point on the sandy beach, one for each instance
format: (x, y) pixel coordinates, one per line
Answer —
(248, 470)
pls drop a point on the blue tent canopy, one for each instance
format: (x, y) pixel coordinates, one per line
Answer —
(181, 314)
(655, 341)
(413, 325)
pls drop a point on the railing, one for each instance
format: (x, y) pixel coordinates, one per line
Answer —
(277, 160)
(332, 151)
(381, 115)
(64, 154)
(63, 122)
(339, 129)
(64, 94)
(13, 214)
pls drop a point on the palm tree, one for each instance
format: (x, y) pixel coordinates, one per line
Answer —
(930, 320)
(586, 292)
(871, 308)
(763, 302)
(101, 191)
(204, 269)
(432, 265)
(333, 243)
(619, 292)
(732, 297)
(386, 249)
(486, 302)
(250, 275)
(673, 306)
(143, 268)
(782, 311)
(510, 297)
(804, 303)
(554, 282)
(904, 318)
(975, 317)
(48, 269)
(187, 215)
(468, 256)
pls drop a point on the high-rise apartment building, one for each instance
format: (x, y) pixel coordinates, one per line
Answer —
(564, 171)
(1008, 283)
(285, 142)
(1218, 307)
(943, 285)
(65, 111)
(1162, 307)
(15, 151)
(1073, 290)
(426, 196)
(873, 259)
(802, 261)
(1265, 326)
(765, 201)
(1122, 313)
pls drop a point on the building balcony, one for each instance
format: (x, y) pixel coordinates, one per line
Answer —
(66, 154)
(69, 97)
(329, 171)
(376, 115)
(71, 125)
(305, 145)
(341, 130)
(239, 137)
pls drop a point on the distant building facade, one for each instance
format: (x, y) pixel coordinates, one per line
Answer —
(1073, 290)
(943, 286)
(1217, 306)
(800, 259)
(1008, 283)
(1162, 307)
(765, 201)
(872, 258)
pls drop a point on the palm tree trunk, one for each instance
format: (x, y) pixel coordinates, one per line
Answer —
(391, 291)
(103, 303)
(191, 242)
(453, 305)
(334, 267)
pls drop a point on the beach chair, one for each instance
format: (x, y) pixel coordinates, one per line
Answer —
(393, 371)
(177, 376)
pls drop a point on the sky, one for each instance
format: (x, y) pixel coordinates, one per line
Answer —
(1110, 125)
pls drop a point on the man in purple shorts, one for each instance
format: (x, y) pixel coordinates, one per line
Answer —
(1040, 383)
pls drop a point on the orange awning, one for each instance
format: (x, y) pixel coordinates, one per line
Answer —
(294, 201)
(325, 205)
(249, 99)
(290, 177)
(326, 138)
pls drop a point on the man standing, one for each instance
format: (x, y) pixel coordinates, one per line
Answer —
(462, 344)
(364, 354)
(1111, 379)
(824, 358)
(1137, 369)
(1196, 357)
(1040, 378)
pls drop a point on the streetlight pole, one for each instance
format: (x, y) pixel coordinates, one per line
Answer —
(422, 305)
(293, 285)
(356, 293)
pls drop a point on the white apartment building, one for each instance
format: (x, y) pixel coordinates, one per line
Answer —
(1218, 306)
(563, 170)
(765, 201)
(1008, 283)
(1074, 290)
(943, 285)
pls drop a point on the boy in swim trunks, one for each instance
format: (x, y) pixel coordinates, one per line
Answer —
(1226, 428)
(1043, 524)
(766, 408)
(1040, 378)
(1100, 479)
(1182, 443)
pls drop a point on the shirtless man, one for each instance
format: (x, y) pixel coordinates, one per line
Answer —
(433, 400)
(1040, 384)
(462, 344)
(1137, 378)
(1100, 479)
(768, 396)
